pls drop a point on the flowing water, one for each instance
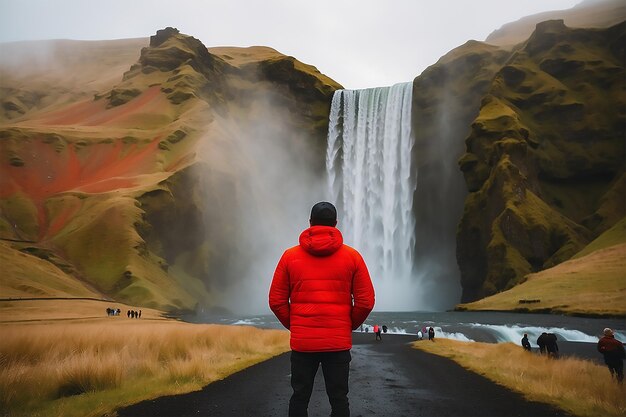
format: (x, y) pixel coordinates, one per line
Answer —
(371, 180)
(486, 327)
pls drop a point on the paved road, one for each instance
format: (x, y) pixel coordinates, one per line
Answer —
(387, 379)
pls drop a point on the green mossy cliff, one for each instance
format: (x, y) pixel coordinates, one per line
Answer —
(446, 98)
(520, 159)
(135, 192)
(545, 157)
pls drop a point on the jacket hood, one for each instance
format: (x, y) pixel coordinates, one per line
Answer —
(321, 240)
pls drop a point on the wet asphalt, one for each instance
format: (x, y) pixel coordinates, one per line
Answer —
(388, 378)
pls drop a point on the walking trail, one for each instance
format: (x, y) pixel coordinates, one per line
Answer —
(387, 379)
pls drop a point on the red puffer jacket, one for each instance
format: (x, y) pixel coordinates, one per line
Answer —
(611, 348)
(313, 290)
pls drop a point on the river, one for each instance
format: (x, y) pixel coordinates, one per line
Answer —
(579, 333)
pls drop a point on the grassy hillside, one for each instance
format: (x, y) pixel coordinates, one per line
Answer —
(110, 188)
(26, 275)
(616, 235)
(592, 283)
(545, 157)
(586, 14)
(34, 74)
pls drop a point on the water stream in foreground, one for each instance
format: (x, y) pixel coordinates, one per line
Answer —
(488, 327)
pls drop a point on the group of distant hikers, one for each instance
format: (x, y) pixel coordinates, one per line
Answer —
(611, 348)
(430, 331)
(130, 313)
(378, 330)
(113, 311)
(546, 342)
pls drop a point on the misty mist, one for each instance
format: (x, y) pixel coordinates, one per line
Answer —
(396, 204)
(438, 201)
(275, 177)
(394, 196)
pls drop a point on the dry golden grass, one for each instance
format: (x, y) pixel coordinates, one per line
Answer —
(594, 284)
(90, 369)
(74, 310)
(578, 386)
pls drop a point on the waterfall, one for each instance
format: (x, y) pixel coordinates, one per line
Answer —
(372, 182)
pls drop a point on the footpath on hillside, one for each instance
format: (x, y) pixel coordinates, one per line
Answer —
(387, 378)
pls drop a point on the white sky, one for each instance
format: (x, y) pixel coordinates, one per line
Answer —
(358, 43)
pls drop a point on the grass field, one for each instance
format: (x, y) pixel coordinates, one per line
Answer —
(593, 284)
(91, 366)
(578, 386)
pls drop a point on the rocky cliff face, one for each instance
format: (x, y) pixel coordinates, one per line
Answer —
(134, 192)
(544, 161)
(160, 186)
(446, 98)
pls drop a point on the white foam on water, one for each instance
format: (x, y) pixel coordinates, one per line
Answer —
(514, 333)
(438, 333)
(246, 322)
(451, 329)
(453, 335)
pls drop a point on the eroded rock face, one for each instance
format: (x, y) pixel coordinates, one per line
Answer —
(191, 221)
(163, 161)
(544, 157)
(446, 98)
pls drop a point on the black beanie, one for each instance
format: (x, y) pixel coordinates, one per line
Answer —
(323, 214)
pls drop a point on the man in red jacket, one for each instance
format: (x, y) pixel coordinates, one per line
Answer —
(321, 291)
(614, 354)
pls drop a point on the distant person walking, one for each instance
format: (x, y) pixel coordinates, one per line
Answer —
(614, 354)
(551, 346)
(431, 334)
(378, 331)
(321, 281)
(542, 340)
(525, 342)
(384, 328)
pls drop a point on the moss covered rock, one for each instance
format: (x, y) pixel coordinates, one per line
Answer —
(446, 98)
(545, 157)
(137, 192)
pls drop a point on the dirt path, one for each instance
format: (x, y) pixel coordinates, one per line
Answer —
(387, 378)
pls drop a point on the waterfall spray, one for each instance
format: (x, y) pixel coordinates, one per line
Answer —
(370, 177)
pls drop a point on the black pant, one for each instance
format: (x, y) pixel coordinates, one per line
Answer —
(336, 368)
(616, 367)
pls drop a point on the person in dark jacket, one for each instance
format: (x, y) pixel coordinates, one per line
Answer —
(431, 334)
(551, 346)
(321, 281)
(525, 342)
(542, 340)
(614, 354)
